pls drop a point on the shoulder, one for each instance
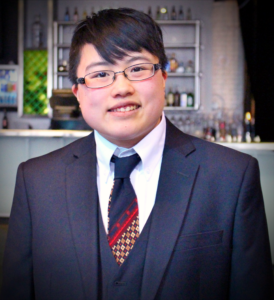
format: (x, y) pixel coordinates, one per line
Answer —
(208, 154)
(62, 156)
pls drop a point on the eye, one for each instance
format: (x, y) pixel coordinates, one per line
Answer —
(137, 69)
(101, 74)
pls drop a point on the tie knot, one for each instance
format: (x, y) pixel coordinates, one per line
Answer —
(125, 165)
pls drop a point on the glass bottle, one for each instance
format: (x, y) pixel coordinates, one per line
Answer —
(164, 13)
(183, 99)
(190, 100)
(149, 11)
(67, 16)
(189, 14)
(190, 67)
(176, 98)
(84, 16)
(173, 13)
(37, 33)
(180, 68)
(170, 98)
(5, 123)
(92, 11)
(75, 15)
(222, 129)
(173, 63)
(158, 13)
(181, 13)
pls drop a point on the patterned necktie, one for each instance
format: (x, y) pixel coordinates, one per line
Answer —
(123, 218)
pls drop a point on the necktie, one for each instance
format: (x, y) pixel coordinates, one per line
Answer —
(123, 209)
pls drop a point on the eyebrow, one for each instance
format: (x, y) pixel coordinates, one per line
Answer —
(105, 63)
(100, 63)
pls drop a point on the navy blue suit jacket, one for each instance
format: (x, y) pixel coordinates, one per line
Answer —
(208, 237)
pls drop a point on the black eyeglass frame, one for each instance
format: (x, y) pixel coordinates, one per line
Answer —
(81, 80)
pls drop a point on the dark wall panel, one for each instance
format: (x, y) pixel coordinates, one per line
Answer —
(8, 31)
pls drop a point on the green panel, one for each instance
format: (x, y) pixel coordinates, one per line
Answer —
(35, 82)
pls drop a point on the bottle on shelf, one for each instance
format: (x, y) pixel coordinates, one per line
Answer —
(164, 13)
(5, 122)
(190, 67)
(63, 66)
(84, 16)
(247, 121)
(149, 12)
(158, 13)
(173, 13)
(183, 99)
(190, 100)
(173, 63)
(209, 130)
(222, 129)
(180, 68)
(75, 15)
(37, 33)
(181, 15)
(170, 98)
(92, 11)
(176, 98)
(189, 14)
(67, 16)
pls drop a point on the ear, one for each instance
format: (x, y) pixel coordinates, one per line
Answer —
(74, 89)
(164, 74)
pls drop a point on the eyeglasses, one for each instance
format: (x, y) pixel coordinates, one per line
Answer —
(104, 78)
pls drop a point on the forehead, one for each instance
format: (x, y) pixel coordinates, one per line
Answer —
(90, 58)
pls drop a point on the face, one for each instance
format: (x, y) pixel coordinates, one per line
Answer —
(125, 111)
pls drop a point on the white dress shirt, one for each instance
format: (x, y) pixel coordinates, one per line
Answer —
(144, 177)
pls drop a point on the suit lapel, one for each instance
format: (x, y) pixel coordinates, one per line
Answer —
(82, 203)
(176, 181)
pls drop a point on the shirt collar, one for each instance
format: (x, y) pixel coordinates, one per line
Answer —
(150, 149)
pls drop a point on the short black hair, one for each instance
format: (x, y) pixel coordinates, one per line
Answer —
(114, 32)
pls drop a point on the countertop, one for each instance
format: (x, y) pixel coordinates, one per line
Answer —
(47, 133)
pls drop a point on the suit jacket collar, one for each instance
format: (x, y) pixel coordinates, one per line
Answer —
(175, 185)
(82, 204)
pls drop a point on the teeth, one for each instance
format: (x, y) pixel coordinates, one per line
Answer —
(128, 108)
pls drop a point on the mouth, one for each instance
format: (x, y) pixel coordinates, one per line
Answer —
(125, 108)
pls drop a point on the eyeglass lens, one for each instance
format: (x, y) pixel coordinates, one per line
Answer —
(135, 73)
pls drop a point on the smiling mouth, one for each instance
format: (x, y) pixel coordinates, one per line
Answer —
(125, 108)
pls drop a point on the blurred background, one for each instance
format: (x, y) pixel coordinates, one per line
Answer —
(220, 83)
(232, 67)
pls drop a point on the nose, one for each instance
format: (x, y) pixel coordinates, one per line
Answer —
(121, 86)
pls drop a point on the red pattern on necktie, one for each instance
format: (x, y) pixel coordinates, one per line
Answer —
(123, 235)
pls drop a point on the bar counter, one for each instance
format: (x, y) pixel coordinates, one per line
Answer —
(17, 146)
(44, 133)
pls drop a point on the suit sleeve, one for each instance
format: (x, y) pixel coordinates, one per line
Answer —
(251, 271)
(17, 264)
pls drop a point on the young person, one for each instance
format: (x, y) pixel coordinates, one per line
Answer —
(198, 229)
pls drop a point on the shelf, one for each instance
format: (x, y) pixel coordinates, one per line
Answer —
(189, 45)
(160, 22)
(70, 23)
(181, 74)
(173, 45)
(62, 73)
(178, 22)
(179, 108)
(62, 45)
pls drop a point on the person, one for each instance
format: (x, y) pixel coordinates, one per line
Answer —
(201, 230)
